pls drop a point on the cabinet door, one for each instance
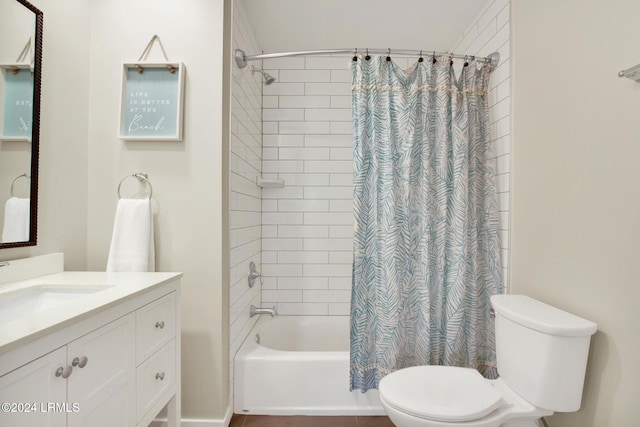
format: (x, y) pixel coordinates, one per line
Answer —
(32, 389)
(103, 379)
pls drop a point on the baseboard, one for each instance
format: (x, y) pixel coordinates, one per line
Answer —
(198, 422)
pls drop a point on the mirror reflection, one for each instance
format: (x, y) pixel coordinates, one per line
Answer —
(19, 118)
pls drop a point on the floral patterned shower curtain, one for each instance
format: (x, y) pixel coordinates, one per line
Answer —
(426, 249)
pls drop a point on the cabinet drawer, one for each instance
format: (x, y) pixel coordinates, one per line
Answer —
(155, 326)
(154, 377)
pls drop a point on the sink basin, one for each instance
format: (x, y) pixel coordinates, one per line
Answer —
(38, 298)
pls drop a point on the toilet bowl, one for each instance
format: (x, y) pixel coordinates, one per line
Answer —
(535, 345)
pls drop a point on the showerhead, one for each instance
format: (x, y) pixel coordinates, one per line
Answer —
(268, 78)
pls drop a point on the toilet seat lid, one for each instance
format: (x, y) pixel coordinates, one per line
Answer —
(440, 393)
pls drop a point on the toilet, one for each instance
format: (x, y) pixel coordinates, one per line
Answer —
(541, 357)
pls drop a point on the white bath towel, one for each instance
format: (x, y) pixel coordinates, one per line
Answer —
(16, 220)
(132, 246)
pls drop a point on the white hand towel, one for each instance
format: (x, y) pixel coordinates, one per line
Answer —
(132, 246)
(16, 220)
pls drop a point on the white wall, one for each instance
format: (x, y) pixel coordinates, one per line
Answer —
(246, 166)
(62, 191)
(576, 186)
(82, 161)
(190, 178)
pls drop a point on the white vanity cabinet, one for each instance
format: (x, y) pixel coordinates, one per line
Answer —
(117, 366)
(91, 381)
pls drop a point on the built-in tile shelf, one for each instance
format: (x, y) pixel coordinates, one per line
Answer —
(270, 183)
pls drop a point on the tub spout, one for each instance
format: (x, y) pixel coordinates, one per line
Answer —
(253, 310)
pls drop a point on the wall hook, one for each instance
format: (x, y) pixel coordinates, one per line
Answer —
(146, 51)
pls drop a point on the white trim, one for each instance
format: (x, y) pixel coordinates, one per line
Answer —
(199, 422)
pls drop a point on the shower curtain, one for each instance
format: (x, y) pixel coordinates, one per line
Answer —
(426, 249)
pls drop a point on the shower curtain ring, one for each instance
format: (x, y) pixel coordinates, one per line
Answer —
(367, 57)
(355, 55)
(420, 58)
(433, 58)
(388, 54)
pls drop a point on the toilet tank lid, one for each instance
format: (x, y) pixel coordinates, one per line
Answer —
(541, 317)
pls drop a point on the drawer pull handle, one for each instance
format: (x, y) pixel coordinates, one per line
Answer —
(160, 376)
(80, 362)
(160, 324)
(64, 372)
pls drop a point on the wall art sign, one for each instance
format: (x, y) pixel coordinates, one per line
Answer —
(152, 97)
(17, 115)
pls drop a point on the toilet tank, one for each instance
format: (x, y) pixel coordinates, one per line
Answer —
(541, 351)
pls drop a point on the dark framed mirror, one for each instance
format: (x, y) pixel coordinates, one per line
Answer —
(20, 84)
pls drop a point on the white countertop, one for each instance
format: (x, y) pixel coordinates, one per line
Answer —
(114, 288)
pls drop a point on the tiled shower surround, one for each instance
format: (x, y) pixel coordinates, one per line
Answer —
(245, 195)
(307, 226)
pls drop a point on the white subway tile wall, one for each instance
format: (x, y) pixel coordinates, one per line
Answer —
(245, 197)
(308, 225)
(307, 233)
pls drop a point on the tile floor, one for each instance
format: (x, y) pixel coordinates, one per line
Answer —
(239, 420)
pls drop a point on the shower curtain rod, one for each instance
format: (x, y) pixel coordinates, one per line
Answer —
(242, 58)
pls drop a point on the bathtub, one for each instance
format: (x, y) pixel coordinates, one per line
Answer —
(298, 365)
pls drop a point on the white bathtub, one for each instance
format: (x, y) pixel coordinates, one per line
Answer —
(300, 367)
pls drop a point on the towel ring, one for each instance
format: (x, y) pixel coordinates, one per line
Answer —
(24, 175)
(140, 176)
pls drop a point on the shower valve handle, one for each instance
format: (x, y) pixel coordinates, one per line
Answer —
(253, 275)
